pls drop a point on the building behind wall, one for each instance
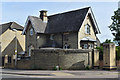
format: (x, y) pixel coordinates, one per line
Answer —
(60, 40)
(62, 31)
(8, 42)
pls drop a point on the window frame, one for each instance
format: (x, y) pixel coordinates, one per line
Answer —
(87, 29)
(85, 46)
(9, 59)
(31, 32)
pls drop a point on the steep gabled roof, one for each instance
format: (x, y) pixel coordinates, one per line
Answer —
(66, 22)
(37, 24)
(10, 25)
(63, 22)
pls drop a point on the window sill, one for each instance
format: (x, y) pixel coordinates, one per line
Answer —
(87, 33)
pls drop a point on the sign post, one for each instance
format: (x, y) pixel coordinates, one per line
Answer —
(15, 47)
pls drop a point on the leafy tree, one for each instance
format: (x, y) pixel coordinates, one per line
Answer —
(100, 52)
(115, 26)
(108, 41)
(101, 48)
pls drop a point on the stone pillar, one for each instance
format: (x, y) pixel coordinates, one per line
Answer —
(109, 56)
(96, 58)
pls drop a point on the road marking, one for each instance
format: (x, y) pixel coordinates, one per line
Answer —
(62, 74)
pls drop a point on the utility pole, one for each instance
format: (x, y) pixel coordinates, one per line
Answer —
(15, 47)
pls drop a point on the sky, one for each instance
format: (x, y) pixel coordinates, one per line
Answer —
(19, 11)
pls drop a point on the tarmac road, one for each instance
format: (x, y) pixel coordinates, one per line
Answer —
(58, 75)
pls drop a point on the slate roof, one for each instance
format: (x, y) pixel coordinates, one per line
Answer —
(10, 25)
(66, 22)
(38, 24)
(63, 22)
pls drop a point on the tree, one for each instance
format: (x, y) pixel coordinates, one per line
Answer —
(115, 26)
(101, 48)
(107, 41)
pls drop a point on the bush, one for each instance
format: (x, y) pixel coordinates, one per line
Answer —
(60, 68)
(55, 68)
(117, 52)
(100, 52)
(87, 68)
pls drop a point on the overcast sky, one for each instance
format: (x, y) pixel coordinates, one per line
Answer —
(19, 11)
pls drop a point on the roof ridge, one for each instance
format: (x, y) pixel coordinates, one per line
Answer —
(6, 23)
(69, 11)
(33, 16)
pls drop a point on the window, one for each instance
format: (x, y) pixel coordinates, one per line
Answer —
(30, 48)
(6, 58)
(87, 29)
(9, 59)
(31, 32)
(51, 37)
(91, 46)
(85, 46)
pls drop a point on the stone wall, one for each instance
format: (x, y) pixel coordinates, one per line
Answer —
(96, 58)
(24, 64)
(72, 40)
(41, 40)
(58, 39)
(66, 59)
(30, 40)
(101, 64)
(109, 56)
(82, 34)
(48, 59)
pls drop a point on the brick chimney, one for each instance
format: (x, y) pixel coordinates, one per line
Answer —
(43, 15)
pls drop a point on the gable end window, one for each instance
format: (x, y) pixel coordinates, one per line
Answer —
(31, 32)
(87, 29)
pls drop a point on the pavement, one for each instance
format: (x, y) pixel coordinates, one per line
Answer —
(11, 73)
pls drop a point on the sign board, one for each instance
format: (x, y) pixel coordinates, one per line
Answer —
(15, 51)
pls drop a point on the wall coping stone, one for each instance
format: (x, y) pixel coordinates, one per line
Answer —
(56, 50)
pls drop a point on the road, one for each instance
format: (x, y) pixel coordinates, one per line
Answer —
(67, 74)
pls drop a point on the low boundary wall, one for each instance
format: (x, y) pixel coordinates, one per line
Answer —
(64, 58)
(48, 59)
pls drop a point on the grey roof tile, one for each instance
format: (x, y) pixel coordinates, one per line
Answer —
(10, 25)
(38, 24)
(66, 22)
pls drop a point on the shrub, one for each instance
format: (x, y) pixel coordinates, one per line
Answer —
(100, 52)
(117, 52)
(87, 68)
(55, 68)
(60, 68)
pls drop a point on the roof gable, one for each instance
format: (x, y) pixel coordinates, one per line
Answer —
(64, 22)
(93, 21)
(10, 25)
(37, 24)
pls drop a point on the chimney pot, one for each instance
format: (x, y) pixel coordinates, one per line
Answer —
(43, 15)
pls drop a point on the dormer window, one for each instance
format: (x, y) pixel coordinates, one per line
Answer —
(31, 32)
(87, 29)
